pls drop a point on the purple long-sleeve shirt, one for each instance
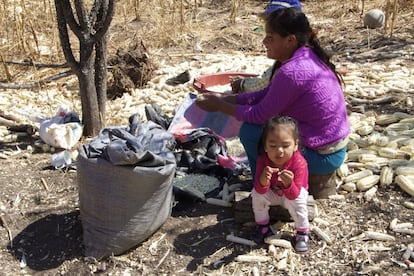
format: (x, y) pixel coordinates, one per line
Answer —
(305, 89)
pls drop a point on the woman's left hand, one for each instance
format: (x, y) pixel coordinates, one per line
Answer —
(208, 102)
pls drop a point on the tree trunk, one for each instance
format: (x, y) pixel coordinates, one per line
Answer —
(90, 108)
(91, 31)
(100, 77)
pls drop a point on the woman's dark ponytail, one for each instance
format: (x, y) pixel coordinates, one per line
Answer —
(314, 44)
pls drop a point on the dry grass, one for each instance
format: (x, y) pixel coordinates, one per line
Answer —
(29, 29)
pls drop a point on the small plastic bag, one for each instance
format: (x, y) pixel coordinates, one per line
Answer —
(63, 130)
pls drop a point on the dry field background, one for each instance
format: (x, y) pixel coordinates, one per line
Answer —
(39, 205)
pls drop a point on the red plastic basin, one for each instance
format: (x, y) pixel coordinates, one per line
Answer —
(202, 83)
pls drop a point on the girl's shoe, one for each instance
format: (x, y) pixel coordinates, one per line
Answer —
(261, 232)
(301, 242)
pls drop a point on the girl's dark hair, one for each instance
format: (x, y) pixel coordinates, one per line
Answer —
(271, 125)
(293, 21)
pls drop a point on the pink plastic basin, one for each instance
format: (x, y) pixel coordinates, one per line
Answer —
(202, 83)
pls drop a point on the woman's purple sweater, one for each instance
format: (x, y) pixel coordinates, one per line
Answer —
(305, 89)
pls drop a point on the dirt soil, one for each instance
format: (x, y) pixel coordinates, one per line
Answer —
(41, 231)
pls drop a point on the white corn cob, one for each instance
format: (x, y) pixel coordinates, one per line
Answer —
(373, 158)
(252, 258)
(352, 145)
(386, 176)
(278, 242)
(362, 142)
(378, 139)
(378, 236)
(364, 184)
(369, 195)
(403, 115)
(321, 234)
(343, 170)
(409, 120)
(408, 204)
(356, 165)
(353, 155)
(364, 130)
(386, 119)
(399, 162)
(373, 166)
(353, 136)
(408, 132)
(404, 170)
(236, 239)
(358, 175)
(393, 223)
(405, 184)
(349, 187)
(393, 153)
(399, 126)
(409, 149)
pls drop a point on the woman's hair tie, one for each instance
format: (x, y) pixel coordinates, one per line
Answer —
(313, 34)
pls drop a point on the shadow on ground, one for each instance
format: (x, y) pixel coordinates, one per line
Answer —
(48, 242)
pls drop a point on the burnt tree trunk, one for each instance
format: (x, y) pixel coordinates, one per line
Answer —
(90, 29)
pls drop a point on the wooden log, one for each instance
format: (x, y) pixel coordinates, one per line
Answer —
(243, 211)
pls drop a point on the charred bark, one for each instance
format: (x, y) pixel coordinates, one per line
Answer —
(90, 29)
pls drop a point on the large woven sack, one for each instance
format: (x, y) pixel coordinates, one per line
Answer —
(121, 207)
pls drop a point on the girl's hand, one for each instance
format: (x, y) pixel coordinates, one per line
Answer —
(286, 177)
(267, 175)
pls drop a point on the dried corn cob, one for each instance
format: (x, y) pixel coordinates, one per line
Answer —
(386, 119)
(405, 184)
(386, 176)
(364, 184)
(358, 175)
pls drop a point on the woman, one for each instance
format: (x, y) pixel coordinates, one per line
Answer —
(306, 88)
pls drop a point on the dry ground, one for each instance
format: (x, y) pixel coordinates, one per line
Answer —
(39, 205)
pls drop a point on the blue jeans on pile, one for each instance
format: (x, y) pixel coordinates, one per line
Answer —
(318, 164)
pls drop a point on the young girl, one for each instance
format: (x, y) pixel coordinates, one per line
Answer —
(281, 179)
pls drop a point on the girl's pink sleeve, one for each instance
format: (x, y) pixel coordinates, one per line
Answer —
(260, 165)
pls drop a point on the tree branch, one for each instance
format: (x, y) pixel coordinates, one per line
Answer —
(36, 84)
(83, 19)
(103, 26)
(70, 19)
(37, 64)
(63, 34)
(94, 11)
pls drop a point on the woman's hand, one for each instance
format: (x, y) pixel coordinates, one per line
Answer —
(209, 102)
(236, 85)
